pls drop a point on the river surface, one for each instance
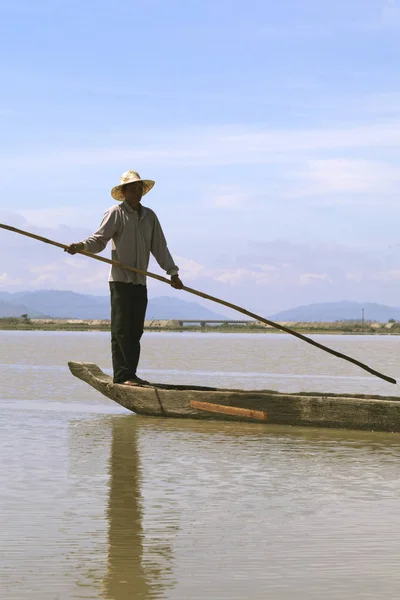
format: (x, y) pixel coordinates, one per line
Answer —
(96, 502)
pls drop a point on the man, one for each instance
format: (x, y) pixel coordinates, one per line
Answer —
(135, 232)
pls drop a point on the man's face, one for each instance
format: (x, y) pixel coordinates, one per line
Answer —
(133, 193)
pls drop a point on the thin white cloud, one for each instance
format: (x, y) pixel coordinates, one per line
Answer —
(274, 275)
(339, 176)
(53, 217)
(289, 274)
(45, 269)
(243, 276)
(228, 197)
(334, 165)
(309, 278)
(7, 281)
(192, 269)
(266, 267)
(213, 146)
(390, 275)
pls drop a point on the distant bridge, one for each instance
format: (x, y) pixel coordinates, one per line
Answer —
(205, 322)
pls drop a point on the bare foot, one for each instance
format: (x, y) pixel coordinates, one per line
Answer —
(136, 382)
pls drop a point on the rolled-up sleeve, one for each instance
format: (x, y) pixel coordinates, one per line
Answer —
(108, 228)
(159, 250)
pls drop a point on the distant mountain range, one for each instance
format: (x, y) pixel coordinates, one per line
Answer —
(339, 311)
(68, 305)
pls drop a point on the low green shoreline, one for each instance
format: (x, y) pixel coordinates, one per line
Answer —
(337, 328)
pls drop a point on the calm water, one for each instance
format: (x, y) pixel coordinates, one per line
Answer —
(96, 502)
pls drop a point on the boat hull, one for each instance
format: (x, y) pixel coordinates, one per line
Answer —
(373, 413)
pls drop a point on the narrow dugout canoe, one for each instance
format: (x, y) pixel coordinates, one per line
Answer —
(373, 413)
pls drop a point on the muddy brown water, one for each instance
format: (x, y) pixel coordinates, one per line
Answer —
(96, 502)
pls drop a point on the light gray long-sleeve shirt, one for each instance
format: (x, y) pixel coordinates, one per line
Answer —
(133, 239)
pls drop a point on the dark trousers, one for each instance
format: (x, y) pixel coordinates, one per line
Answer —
(128, 309)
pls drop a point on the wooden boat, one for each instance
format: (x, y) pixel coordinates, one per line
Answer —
(374, 413)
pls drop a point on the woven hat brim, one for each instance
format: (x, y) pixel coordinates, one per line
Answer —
(117, 194)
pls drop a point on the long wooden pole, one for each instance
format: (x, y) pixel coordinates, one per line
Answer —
(208, 297)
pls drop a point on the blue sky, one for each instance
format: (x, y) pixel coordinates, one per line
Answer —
(272, 131)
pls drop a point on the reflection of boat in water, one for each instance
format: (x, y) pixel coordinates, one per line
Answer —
(138, 567)
(379, 413)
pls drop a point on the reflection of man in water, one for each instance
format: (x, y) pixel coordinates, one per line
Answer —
(128, 578)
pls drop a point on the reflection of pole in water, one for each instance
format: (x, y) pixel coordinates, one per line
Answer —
(127, 577)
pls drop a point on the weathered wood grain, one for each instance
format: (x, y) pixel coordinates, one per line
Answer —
(374, 413)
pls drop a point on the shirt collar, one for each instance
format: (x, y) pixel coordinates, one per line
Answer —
(129, 209)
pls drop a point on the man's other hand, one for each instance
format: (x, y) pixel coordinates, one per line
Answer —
(176, 282)
(74, 248)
